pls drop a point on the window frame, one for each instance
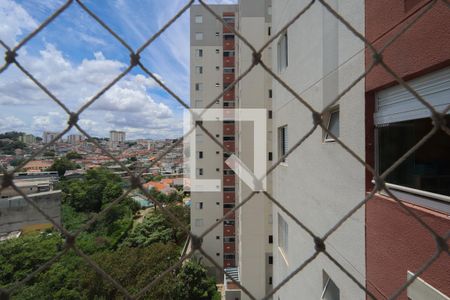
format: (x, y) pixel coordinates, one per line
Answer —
(199, 36)
(198, 19)
(283, 142)
(329, 115)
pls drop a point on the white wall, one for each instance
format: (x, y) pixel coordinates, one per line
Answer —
(320, 182)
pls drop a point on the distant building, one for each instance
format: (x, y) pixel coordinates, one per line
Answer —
(117, 136)
(17, 215)
(27, 138)
(38, 165)
(75, 139)
(48, 136)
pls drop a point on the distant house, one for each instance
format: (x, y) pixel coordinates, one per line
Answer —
(162, 187)
(38, 165)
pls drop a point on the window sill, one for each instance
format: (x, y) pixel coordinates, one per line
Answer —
(422, 198)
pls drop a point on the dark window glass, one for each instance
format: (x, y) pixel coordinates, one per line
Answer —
(428, 168)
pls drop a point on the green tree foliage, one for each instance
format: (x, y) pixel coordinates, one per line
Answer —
(74, 155)
(16, 162)
(19, 257)
(98, 188)
(9, 142)
(193, 283)
(159, 228)
(62, 165)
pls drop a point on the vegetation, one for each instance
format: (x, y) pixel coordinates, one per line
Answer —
(132, 256)
(9, 142)
(62, 165)
(74, 155)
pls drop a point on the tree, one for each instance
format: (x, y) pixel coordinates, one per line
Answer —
(193, 283)
(62, 165)
(74, 155)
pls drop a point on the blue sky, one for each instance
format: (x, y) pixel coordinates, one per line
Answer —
(75, 57)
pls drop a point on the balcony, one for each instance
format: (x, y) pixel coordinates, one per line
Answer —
(230, 216)
(228, 230)
(228, 78)
(229, 95)
(228, 180)
(228, 61)
(229, 263)
(229, 145)
(229, 197)
(226, 30)
(229, 247)
(229, 45)
(228, 129)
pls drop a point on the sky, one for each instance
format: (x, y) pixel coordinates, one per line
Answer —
(74, 57)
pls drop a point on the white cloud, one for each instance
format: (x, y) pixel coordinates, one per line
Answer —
(9, 123)
(15, 22)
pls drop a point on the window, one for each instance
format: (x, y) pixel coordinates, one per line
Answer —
(199, 19)
(228, 138)
(330, 290)
(332, 125)
(228, 172)
(270, 156)
(217, 33)
(270, 94)
(428, 169)
(228, 205)
(228, 19)
(270, 260)
(228, 70)
(217, 68)
(199, 205)
(200, 154)
(228, 222)
(217, 152)
(199, 86)
(270, 114)
(269, 30)
(217, 254)
(269, 10)
(217, 237)
(217, 135)
(282, 53)
(228, 239)
(217, 51)
(217, 84)
(200, 171)
(401, 121)
(199, 222)
(217, 203)
(228, 189)
(199, 36)
(199, 69)
(199, 52)
(270, 280)
(282, 141)
(228, 256)
(217, 170)
(228, 37)
(282, 234)
(270, 239)
(228, 53)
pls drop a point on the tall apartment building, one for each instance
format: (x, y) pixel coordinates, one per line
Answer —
(212, 67)
(319, 182)
(74, 139)
(27, 138)
(242, 244)
(48, 136)
(117, 136)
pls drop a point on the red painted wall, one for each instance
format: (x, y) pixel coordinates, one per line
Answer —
(423, 48)
(396, 243)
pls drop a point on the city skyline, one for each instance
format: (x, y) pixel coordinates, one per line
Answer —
(89, 58)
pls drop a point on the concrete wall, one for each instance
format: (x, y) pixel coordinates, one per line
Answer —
(254, 216)
(320, 182)
(16, 213)
(397, 243)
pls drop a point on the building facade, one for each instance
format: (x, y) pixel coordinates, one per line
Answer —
(319, 182)
(397, 245)
(117, 136)
(212, 67)
(48, 136)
